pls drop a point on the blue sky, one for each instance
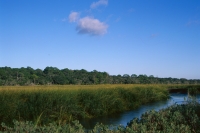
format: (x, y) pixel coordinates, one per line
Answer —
(152, 37)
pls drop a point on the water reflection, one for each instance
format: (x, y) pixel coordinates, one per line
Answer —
(125, 117)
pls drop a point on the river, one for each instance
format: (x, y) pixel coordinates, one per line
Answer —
(125, 117)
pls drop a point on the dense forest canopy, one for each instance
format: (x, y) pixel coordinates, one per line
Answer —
(53, 75)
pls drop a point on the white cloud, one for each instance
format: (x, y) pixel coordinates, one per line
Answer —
(99, 3)
(88, 25)
(73, 17)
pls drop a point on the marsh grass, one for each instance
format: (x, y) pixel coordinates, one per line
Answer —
(63, 104)
(175, 119)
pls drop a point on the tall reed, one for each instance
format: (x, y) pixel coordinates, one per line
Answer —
(174, 119)
(63, 104)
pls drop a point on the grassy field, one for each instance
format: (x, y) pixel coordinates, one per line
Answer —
(63, 104)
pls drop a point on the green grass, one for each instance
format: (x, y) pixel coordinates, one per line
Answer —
(63, 104)
(174, 119)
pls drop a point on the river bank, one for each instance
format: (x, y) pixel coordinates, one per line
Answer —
(126, 116)
(64, 104)
(177, 118)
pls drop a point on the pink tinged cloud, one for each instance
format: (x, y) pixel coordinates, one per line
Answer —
(99, 3)
(91, 26)
(73, 17)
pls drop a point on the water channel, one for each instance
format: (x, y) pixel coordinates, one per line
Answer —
(125, 117)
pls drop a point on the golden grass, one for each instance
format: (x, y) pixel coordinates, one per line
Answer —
(88, 87)
(77, 87)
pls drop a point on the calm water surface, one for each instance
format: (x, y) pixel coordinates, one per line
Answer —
(125, 117)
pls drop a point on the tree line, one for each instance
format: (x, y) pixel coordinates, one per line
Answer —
(55, 76)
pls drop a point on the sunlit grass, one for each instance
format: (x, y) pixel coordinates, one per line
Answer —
(101, 86)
